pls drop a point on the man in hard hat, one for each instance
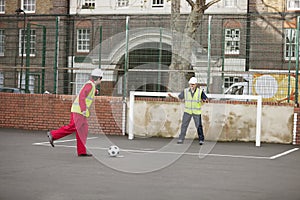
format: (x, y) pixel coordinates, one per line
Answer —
(79, 114)
(193, 98)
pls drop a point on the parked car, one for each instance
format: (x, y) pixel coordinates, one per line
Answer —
(271, 87)
(12, 90)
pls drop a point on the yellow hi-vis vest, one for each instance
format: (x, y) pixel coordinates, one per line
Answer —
(88, 100)
(192, 104)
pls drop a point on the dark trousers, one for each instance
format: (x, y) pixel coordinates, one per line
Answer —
(186, 118)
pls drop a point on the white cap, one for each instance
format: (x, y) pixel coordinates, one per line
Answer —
(193, 80)
(97, 72)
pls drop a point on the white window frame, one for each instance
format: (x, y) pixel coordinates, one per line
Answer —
(122, 3)
(229, 80)
(81, 79)
(157, 3)
(232, 41)
(2, 42)
(89, 4)
(1, 79)
(287, 41)
(293, 4)
(29, 6)
(83, 40)
(32, 42)
(230, 3)
(31, 82)
(2, 6)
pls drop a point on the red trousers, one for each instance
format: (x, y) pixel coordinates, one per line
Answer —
(78, 123)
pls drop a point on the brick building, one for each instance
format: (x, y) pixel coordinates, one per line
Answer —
(245, 36)
(36, 16)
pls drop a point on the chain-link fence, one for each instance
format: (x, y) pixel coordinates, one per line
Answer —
(246, 54)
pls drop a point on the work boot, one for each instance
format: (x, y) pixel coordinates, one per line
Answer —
(180, 141)
(50, 138)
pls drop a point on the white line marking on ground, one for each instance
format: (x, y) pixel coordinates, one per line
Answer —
(195, 154)
(160, 152)
(167, 152)
(283, 153)
(60, 141)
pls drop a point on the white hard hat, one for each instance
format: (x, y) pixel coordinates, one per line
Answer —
(97, 72)
(193, 80)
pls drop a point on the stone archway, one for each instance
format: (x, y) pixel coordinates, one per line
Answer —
(114, 48)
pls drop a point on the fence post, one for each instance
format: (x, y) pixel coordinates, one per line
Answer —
(125, 79)
(208, 54)
(297, 62)
(99, 55)
(126, 58)
(56, 56)
(27, 58)
(159, 60)
(100, 46)
(43, 59)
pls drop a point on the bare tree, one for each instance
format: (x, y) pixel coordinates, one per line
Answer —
(183, 39)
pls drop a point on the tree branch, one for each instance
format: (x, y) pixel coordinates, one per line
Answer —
(268, 5)
(175, 14)
(210, 4)
(191, 3)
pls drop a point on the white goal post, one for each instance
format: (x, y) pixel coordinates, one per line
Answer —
(214, 96)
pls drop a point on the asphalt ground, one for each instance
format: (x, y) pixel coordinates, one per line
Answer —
(146, 168)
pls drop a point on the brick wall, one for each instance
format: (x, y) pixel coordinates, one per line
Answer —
(46, 112)
(297, 138)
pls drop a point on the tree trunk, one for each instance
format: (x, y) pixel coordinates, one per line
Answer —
(182, 46)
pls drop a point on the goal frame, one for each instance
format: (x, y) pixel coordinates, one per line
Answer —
(214, 96)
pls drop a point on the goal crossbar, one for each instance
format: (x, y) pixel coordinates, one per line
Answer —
(215, 96)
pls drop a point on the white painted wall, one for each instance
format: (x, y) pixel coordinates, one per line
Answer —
(221, 122)
(144, 7)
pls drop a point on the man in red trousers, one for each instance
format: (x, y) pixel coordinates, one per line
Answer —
(79, 114)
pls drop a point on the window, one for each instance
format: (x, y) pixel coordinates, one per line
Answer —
(2, 6)
(1, 79)
(122, 3)
(232, 41)
(2, 36)
(88, 4)
(290, 44)
(230, 3)
(157, 3)
(31, 82)
(228, 81)
(24, 45)
(293, 4)
(29, 6)
(81, 78)
(83, 40)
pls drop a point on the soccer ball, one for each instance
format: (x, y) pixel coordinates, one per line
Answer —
(113, 151)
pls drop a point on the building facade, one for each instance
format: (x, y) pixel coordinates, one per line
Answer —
(27, 35)
(133, 40)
